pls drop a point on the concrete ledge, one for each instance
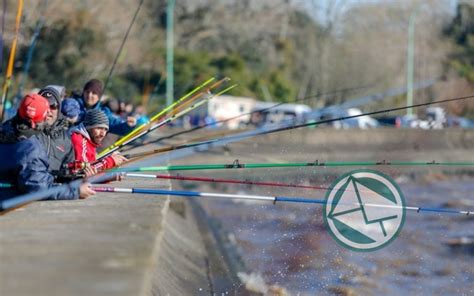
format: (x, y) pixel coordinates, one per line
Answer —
(100, 246)
(181, 267)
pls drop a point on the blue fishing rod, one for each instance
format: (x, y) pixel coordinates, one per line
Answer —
(273, 199)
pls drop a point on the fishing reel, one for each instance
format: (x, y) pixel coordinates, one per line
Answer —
(71, 171)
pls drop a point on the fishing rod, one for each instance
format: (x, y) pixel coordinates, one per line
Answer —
(166, 121)
(228, 181)
(315, 123)
(273, 199)
(139, 155)
(237, 165)
(11, 59)
(185, 104)
(31, 49)
(350, 89)
(23, 199)
(135, 156)
(158, 115)
(122, 44)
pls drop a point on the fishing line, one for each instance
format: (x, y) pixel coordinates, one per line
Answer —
(350, 89)
(121, 45)
(291, 127)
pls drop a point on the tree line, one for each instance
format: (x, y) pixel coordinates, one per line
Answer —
(278, 50)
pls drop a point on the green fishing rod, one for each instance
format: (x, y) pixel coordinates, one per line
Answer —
(237, 165)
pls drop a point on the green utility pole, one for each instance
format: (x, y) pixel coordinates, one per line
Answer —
(169, 52)
(410, 58)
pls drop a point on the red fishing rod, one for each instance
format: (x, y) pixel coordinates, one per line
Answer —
(229, 181)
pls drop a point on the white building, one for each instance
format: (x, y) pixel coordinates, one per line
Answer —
(225, 107)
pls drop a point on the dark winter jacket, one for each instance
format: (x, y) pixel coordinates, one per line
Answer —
(117, 125)
(25, 166)
(56, 140)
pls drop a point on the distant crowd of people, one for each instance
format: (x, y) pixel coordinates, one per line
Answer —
(50, 134)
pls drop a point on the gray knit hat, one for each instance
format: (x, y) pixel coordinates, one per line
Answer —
(53, 93)
(96, 118)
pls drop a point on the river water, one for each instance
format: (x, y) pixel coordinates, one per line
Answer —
(286, 248)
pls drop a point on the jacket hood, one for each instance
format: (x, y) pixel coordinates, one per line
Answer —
(17, 129)
(81, 129)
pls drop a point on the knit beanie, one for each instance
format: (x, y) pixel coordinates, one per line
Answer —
(95, 86)
(70, 108)
(33, 108)
(96, 118)
(53, 93)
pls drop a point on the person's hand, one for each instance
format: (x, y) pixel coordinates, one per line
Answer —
(118, 159)
(131, 121)
(119, 177)
(85, 191)
(89, 170)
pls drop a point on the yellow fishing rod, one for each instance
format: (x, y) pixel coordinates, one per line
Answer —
(158, 115)
(166, 121)
(11, 59)
(208, 138)
(192, 100)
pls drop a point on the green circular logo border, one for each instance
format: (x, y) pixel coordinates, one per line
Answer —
(402, 199)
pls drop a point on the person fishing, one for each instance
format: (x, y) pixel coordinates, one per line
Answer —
(87, 137)
(55, 137)
(90, 99)
(26, 166)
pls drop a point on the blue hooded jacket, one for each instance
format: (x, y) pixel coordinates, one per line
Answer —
(117, 125)
(25, 167)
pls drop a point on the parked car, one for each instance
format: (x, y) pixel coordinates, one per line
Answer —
(331, 113)
(272, 113)
(455, 121)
